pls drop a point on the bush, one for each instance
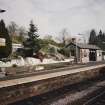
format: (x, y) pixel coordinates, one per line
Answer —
(64, 51)
(14, 65)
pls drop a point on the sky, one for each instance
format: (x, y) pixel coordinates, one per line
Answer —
(51, 16)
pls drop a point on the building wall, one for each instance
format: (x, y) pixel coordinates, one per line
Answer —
(99, 55)
(16, 46)
(84, 55)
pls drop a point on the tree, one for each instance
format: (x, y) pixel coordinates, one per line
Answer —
(101, 40)
(17, 33)
(22, 34)
(63, 36)
(92, 38)
(48, 37)
(103, 37)
(32, 42)
(5, 51)
(100, 36)
(12, 28)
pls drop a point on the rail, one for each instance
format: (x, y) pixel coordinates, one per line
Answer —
(97, 100)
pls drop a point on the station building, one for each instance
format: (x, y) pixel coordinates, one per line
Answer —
(85, 52)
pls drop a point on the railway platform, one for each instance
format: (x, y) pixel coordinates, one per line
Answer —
(23, 87)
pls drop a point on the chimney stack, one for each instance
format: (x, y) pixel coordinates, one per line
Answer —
(73, 40)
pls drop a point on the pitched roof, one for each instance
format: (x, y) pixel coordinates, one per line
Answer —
(85, 46)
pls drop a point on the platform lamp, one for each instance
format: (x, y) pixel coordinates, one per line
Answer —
(2, 10)
(77, 45)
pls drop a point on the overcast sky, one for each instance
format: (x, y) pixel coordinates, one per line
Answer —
(51, 16)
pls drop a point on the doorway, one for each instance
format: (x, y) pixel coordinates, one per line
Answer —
(92, 55)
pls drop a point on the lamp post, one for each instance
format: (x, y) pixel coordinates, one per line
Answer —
(84, 39)
(77, 47)
(2, 10)
(76, 51)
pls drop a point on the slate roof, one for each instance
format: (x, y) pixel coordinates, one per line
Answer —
(85, 46)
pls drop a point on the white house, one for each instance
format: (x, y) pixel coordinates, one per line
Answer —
(16, 46)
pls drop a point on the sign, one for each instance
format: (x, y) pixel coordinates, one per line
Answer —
(2, 42)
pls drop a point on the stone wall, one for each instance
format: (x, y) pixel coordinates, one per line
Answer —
(23, 91)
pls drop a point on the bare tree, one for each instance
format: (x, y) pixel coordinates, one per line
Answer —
(12, 28)
(64, 35)
(48, 37)
(22, 33)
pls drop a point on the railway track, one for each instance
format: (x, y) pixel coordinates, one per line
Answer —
(97, 100)
(64, 95)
